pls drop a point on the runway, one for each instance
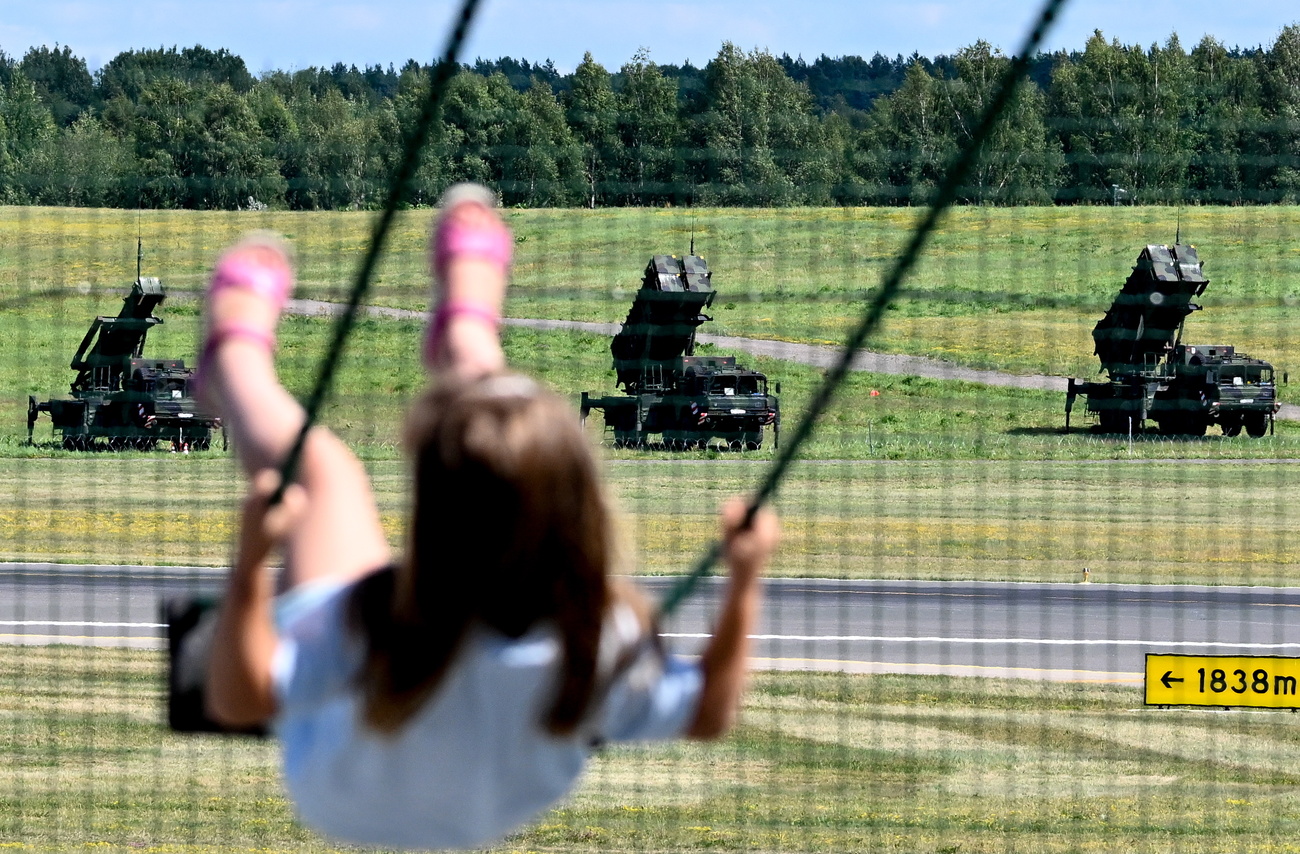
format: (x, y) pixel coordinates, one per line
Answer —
(1071, 632)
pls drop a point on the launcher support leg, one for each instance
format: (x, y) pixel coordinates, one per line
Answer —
(1070, 394)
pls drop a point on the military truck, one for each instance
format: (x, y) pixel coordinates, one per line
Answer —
(1154, 377)
(120, 398)
(687, 400)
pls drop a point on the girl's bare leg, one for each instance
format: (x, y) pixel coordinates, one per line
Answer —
(339, 534)
(473, 245)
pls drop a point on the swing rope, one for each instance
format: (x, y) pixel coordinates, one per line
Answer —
(944, 198)
(402, 180)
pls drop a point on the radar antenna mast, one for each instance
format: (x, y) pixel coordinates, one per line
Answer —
(139, 246)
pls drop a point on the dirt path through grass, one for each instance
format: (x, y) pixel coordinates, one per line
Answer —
(816, 355)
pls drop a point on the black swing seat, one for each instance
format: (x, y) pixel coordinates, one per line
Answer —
(191, 623)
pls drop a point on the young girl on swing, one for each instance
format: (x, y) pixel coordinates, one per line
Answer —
(444, 698)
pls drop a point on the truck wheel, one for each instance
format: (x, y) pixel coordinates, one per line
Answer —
(1256, 424)
(629, 439)
(1231, 429)
(1113, 422)
(1184, 425)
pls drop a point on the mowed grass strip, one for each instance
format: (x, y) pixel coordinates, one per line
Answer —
(820, 762)
(1213, 522)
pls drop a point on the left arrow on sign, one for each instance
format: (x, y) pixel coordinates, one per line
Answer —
(1169, 677)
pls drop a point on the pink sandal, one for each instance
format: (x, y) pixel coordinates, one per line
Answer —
(237, 268)
(452, 240)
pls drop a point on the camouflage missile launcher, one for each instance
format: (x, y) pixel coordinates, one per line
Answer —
(1154, 377)
(686, 399)
(120, 399)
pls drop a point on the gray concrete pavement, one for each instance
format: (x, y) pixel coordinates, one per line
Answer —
(1075, 632)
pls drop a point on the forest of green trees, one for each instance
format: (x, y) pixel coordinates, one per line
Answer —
(193, 128)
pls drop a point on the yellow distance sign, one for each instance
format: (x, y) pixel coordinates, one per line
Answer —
(1259, 681)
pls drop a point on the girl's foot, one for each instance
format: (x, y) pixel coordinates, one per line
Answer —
(249, 286)
(469, 254)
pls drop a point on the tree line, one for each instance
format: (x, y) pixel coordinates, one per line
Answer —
(193, 128)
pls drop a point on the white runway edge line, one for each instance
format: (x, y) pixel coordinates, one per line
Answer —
(823, 638)
(1026, 641)
(78, 624)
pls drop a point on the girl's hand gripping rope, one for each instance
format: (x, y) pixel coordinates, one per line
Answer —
(239, 691)
(725, 662)
(262, 526)
(747, 549)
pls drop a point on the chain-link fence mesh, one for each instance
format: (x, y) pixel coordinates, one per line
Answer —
(954, 650)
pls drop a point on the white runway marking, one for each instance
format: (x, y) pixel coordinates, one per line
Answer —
(996, 672)
(79, 624)
(1007, 641)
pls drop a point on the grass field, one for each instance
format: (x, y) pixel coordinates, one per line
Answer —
(820, 763)
(1216, 522)
(910, 417)
(948, 479)
(1033, 280)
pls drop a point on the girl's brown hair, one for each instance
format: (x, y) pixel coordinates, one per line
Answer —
(510, 527)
